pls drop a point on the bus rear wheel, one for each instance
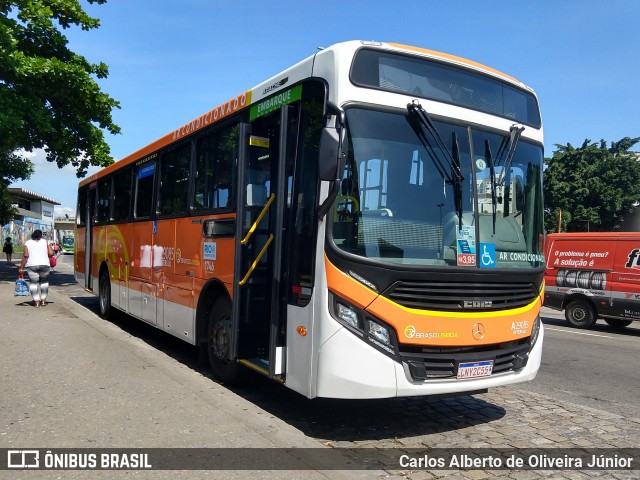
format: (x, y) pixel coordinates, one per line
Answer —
(226, 369)
(580, 314)
(616, 323)
(104, 295)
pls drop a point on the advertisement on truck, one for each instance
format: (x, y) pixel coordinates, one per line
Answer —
(594, 275)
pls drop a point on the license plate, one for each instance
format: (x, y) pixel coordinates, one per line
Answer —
(475, 369)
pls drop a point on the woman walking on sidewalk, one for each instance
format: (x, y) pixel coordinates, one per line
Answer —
(36, 259)
(8, 249)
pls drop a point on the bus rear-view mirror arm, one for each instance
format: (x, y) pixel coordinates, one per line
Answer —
(331, 155)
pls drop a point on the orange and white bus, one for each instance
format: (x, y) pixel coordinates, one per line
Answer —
(365, 224)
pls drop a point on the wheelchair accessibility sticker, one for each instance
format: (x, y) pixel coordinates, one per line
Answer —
(487, 255)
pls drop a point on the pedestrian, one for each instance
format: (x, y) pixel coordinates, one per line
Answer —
(8, 249)
(36, 260)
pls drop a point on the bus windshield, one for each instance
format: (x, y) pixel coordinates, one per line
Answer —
(401, 203)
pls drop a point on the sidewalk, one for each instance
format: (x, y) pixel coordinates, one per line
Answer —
(73, 380)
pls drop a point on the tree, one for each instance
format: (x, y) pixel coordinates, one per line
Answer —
(12, 168)
(49, 96)
(594, 186)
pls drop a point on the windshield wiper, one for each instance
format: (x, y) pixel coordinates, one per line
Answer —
(457, 185)
(506, 151)
(421, 123)
(508, 148)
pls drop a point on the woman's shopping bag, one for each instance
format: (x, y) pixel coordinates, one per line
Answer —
(52, 262)
(22, 289)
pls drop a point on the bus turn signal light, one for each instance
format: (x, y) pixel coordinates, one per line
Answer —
(302, 330)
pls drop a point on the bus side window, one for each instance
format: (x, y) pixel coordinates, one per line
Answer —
(81, 210)
(103, 210)
(215, 160)
(175, 166)
(122, 195)
(144, 189)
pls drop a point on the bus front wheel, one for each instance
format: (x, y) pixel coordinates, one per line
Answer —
(104, 295)
(223, 366)
(580, 314)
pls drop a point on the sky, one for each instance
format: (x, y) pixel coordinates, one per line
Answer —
(170, 62)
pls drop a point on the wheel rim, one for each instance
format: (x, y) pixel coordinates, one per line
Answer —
(220, 340)
(579, 315)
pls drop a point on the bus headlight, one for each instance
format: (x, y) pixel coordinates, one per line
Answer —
(347, 315)
(535, 330)
(378, 332)
(364, 325)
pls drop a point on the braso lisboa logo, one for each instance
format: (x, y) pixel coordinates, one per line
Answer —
(411, 332)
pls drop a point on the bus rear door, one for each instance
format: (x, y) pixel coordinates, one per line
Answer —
(88, 252)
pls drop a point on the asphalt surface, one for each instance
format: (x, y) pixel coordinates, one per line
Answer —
(71, 379)
(596, 368)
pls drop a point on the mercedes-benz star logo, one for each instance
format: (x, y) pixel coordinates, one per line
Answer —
(478, 331)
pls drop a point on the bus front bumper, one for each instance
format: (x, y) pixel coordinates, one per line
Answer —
(349, 368)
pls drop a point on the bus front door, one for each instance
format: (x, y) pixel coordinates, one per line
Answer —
(258, 316)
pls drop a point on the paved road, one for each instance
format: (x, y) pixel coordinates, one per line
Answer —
(72, 380)
(123, 383)
(595, 368)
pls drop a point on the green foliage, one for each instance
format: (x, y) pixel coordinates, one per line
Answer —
(594, 186)
(555, 216)
(49, 96)
(12, 169)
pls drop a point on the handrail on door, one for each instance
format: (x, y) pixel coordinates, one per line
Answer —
(272, 197)
(257, 260)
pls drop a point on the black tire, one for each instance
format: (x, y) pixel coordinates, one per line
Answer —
(580, 314)
(226, 369)
(104, 295)
(616, 323)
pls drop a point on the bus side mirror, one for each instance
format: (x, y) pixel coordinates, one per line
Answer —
(329, 154)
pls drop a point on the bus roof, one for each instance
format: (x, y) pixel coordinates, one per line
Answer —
(459, 60)
(258, 92)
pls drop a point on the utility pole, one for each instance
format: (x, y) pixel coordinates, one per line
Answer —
(559, 220)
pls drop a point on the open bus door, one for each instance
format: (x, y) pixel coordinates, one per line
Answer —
(259, 313)
(91, 208)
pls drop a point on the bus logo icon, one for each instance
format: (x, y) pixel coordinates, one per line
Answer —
(409, 331)
(23, 459)
(478, 331)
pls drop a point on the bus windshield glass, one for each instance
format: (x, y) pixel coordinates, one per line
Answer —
(68, 242)
(444, 83)
(401, 203)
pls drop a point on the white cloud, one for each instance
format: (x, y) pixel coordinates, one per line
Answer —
(61, 184)
(59, 211)
(25, 154)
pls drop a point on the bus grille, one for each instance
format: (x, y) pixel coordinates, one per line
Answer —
(450, 296)
(438, 363)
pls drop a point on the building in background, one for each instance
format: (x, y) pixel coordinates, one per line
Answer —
(34, 211)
